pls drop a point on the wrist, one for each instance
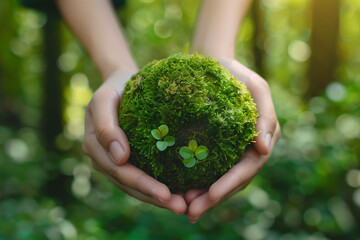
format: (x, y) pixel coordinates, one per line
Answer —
(217, 27)
(109, 65)
(213, 50)
(120, 75)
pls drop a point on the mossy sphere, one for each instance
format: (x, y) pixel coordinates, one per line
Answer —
(199, 101)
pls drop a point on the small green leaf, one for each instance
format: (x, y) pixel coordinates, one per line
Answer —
(189, 162)
(161, 145)
(201, 152)
(169, 140)
(186, 153)
(163, 130)
(193, 145)
(156, 134)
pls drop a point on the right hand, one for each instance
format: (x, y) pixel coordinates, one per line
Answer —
(254, 158)
(107, 145)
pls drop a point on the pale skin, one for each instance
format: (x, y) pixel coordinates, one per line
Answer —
(97, 28)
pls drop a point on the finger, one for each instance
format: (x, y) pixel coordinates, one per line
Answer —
(175, 204)
(260, 92)
(249, 165)
(267, 120)
(192, 194)
(200, 205)
(127, 174)
(229, 184)
(90, 132)
(103, 110)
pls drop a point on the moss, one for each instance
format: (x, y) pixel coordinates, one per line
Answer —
(197, 99)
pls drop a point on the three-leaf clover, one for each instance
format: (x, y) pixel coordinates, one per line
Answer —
(164, 141)
(192, 153)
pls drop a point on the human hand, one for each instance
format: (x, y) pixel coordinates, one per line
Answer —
(239, 176)
(107, 145)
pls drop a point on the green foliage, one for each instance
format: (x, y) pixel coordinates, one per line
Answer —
(186, 152)
(156, 134)
(192, 153)
(163, 129)
(308, 189)
(164, 141)
(200, 100)
(170, 141)
(189, 162)
(201, 153)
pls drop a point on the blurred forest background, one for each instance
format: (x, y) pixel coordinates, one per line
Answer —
(309, 51)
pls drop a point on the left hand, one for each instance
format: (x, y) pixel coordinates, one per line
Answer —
(238, 177)
(107, 145)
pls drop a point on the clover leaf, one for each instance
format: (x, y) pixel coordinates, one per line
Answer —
(192, 153)
(201, 152)
(156, 134)
(161, 145)
(163, 130)
(193, 145)
(189, 162)
(169, 140)
(186, 152)
(164, 141)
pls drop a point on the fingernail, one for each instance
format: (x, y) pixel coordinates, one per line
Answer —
(161, 200)
(268, 141)
(178, 213)
(194, 220)
(116, 152)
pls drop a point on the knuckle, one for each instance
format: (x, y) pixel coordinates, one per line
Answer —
(104, 92)
(98, 94)
(103, 134)
(93, 99)
(85, 148)
(269, 122)
(140, 180)
(112, 173)
(273, 122)
(261, 83)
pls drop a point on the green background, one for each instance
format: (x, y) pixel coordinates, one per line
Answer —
(309, 189)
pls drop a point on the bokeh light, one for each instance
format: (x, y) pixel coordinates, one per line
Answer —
(299, 51)
(18, 150)
(312, 217)
(353, 178)
(309, 188)
(356, 197)
(336, 92)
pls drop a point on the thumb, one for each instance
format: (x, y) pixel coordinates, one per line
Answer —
(260, 92)
(103, 109)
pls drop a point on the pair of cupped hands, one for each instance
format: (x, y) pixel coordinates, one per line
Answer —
(107, 145)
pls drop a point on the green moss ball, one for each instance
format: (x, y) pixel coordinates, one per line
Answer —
(197, 99)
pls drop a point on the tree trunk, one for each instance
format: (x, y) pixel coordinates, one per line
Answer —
(258, 38)
(52, 120)
(323, 42)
